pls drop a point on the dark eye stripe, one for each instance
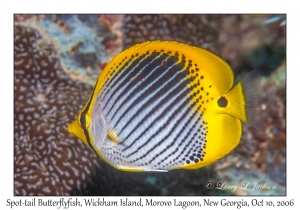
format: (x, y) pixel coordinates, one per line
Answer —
(83, 119)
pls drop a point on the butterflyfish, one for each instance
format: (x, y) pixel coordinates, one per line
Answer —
(163, 105)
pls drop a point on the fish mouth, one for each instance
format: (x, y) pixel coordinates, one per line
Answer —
(75, 129)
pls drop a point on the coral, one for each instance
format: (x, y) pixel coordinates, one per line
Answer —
(242, 38)
(271, 155)
(77, 38)
(45, 101)
(114, 45)
(190, 29)
(20, 17)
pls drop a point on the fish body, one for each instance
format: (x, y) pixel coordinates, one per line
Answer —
(163, 105)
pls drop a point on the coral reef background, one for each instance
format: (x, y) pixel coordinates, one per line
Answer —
(57, 59)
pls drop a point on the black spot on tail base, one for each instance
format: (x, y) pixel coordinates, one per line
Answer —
(222, 102)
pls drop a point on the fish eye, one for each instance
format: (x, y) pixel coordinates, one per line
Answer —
(222, 102)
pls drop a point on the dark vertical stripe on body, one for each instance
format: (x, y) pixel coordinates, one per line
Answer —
(136, 84)
(162, 64)
(181, 130)
(190, 140)
(160, 82)
(130, 74)
(160, 104)
(113, 78)
(167, 135)
(154, 121)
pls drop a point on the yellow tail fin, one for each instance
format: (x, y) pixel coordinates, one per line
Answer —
(244, 99)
